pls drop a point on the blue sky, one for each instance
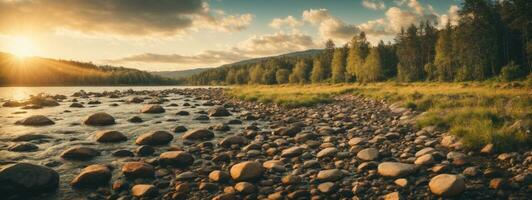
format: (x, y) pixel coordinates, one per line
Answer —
(175, 35)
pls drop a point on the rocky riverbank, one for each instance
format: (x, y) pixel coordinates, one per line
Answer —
(200, 144)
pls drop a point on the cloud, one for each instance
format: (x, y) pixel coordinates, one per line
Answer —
(205, 58)
(255, 46)
(289, 21)
(119, 17)
(276, 43)
(330, 26)
(451, 17)
(374, 4)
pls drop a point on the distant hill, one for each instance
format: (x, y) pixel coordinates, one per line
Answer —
(36, 71)
(298, 54)
(179, 74)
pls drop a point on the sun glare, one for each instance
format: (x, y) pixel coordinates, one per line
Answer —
(22, 47)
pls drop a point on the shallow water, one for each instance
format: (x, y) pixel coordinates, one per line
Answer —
(69, 131)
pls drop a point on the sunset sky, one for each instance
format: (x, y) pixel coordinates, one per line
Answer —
(183, 34)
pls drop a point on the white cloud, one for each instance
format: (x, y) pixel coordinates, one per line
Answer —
(330, 26)
(277, 43)
(289, 21)
(374, 4)
(451, 17)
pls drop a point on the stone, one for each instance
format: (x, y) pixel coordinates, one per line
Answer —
(152, 109)
(134, 170)
(291, 179)
(123, 153)
(498, 183)
(135, 119)
(176, 158)
(329, 175)
(145, 150)
(447, 185)
(401, 182)
(276, 165)
(92, 176)
(79, 153)
(392, 196)
(292, 152)
(198, 134)
(327, 152)
(395, 169)
(426, 159)
(245, 187)
(488, 149)
(356, 141)
(218, 111)
(180, 129)
(219, 176)
(76, 105)
(35, 120)
(470, 171)
(234, 140)
(25, 178)
(23, 147)
(368, 154)
(326, 187)
(428, 150)
(109, 136)
(186, 176)
(144, 190)
(154, 138)
(225, 196)
(99, 119)
(450, 141)
(135, 100)
(247, 170)
(183, 113)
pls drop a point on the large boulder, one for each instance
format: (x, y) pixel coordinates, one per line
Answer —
(92, 176)
(155, 138)
(396, 169)
(219, 111)
(447, 185)
(35, 120)
(176, 159)
(152, 109)
(27, 179)
(109, 136)
(198, 134)
(79, 153)
(99, 119)
(134, 170)
(247, 170)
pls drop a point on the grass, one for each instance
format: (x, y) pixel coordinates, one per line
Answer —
(478, 112)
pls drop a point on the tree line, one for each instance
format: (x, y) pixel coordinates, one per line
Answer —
(48, 72)
(491, 40)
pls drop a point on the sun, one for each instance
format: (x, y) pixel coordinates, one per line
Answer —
(22, 47)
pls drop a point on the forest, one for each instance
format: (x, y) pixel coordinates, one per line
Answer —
(50, 72)
(490, 41)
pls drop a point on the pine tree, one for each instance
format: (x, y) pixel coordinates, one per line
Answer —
(443, 60)
(255, 75)
(301, 72)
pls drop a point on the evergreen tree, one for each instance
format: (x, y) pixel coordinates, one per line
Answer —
(255, 75)
(372, 69)
(357, 53)
(444, 55)
(301, 72)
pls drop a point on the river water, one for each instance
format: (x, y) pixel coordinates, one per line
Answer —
(69, 131)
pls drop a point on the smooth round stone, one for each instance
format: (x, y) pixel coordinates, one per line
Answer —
(35, 120)
(176, 158)
(245, 187)
(326, 187)
(179, 129)
(218, 111)
(154, 138)
(292, 152)
(152, 109)
(219, 176)
(329, 175)
(109, 136)
(395, 169)
(247, 170)
(99, 119)
(92, 176)
(144, 190)
(368, 154)
(426, 159)
(23, 147)
(25, 178)
(356, 141)
(134, 170)
(447, 185)
(79, 153)
(327, 152)
(198, 134)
